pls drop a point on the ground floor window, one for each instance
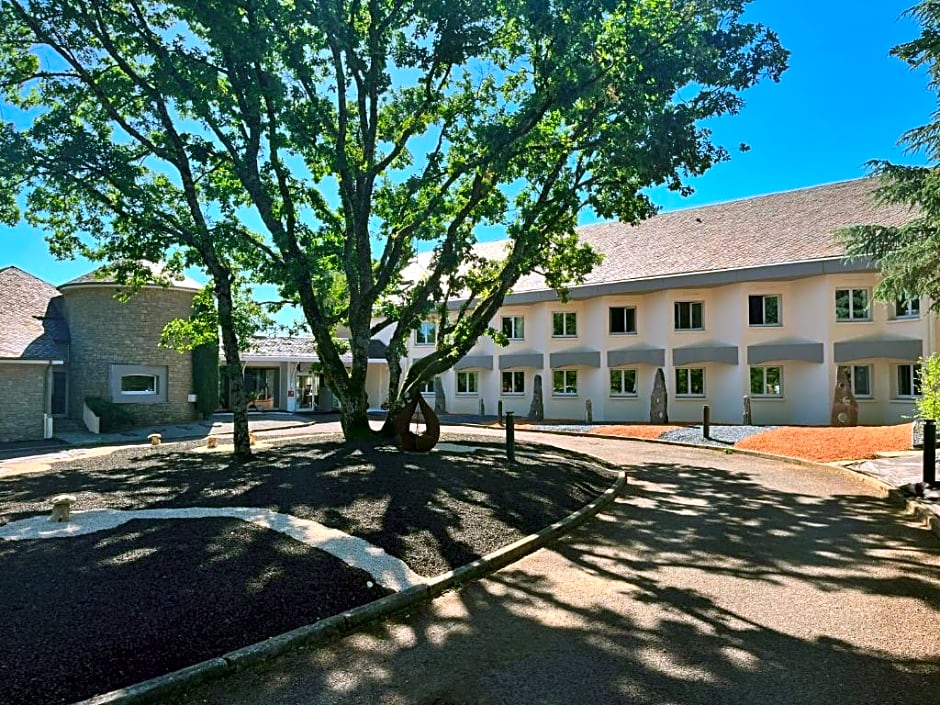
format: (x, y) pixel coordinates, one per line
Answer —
(623, 383)
(690, 382)
(908, 377)
(426, 386)
(767, 381)
(467, 383)
(859, 379)
(565, 382)
(513, 382)
(138, 384)
(261, 385)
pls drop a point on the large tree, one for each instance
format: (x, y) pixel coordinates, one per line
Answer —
(298, 140)
(909, 254)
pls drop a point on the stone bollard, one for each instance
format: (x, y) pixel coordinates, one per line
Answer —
(212, 441)
(155, 439)
(588, 411)
(61, 507)
(482, 410)
(746, 419)
(499, 411)
(706, 422)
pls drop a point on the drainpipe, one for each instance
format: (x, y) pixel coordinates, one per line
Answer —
(47, 403)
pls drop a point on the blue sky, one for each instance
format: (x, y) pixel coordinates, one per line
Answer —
(843, 101)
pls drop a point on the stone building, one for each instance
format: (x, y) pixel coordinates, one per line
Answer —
(60, 346)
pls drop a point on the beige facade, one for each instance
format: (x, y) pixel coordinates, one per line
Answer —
(800, 351)
(23, 387)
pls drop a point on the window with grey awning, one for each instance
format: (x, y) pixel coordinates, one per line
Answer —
(727, 354)
(475, 362)
(575, 358)
(897, 349)
(534, 360)
(798, 351)
(636, 356)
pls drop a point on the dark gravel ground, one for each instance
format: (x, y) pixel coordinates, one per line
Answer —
(85, 615)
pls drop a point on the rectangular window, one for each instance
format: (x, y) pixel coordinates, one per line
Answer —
(564, 325)
(763, 310)
(426, 386)
(426, 333)
(514, 327)
(565, 382)
(907, 308)
(623, 383)
(859, 379)
(767, 381)
(622, 319)
(467, 383)
(688, 315)
(853, 304)
(908, 381)
(514, 382)
(140, 384)
(690, 382)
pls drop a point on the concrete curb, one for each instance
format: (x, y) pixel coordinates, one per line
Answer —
(340, 624)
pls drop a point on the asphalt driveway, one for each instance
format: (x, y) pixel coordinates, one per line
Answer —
(716, 579)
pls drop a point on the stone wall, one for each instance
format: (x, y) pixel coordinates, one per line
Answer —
(106, 331)
(22, 388)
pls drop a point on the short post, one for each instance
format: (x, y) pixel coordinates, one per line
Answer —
(747, 410)
(482, 410)
(499, 411)
(510, 437)
(706, 422)
(930, 453)
(588, 411)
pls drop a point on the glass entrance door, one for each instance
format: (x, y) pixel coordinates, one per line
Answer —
(306, 392)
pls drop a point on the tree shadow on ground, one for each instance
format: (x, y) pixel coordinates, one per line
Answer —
(699, 586)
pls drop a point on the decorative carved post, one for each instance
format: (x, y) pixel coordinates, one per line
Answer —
(746, 419)
(588, 412)
(499, 412)
(658, 401)
(510, 437)
(537, 407)
(440, 401)
(844, 405)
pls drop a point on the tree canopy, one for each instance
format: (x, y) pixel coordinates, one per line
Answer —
(909, 254)
(319, 146)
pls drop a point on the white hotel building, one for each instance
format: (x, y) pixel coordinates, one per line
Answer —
(750, 297)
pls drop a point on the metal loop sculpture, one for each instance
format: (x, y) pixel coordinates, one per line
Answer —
(410, 441)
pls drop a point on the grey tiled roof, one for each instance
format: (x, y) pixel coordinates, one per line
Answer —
(299, 347)
(793, 226)
(32, 326)
(100, 277)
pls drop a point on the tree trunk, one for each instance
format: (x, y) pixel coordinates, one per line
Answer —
(354, 416)
(233, 368)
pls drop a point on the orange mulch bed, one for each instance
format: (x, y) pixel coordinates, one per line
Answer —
(635, 431)
(829, 444)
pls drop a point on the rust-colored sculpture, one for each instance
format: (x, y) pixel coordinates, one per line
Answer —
(432, 426)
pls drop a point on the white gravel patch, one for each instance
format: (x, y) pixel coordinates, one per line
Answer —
(387, 570)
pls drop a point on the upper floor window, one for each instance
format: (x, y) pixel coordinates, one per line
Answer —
(763, 310)
(564, 325)
(767, 381)
(426, 334)
(514, 382)
(908, 381)
(907, 308)
(622, 319)
(565, 382)
(690, 382)
(859, 379)
(623, 383)
(689, 315)
(853, 304)
(514, 327)
(468, 383)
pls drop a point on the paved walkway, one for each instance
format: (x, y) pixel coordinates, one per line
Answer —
(714, 579)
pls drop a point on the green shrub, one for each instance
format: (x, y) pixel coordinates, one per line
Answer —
(112, 417)
(928, 404)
